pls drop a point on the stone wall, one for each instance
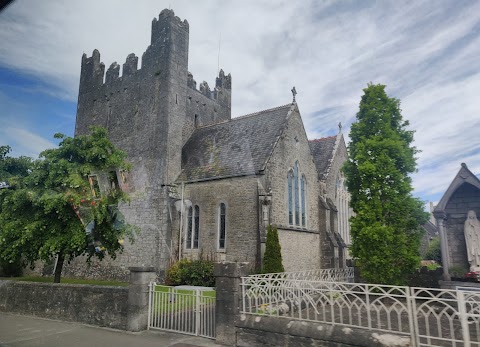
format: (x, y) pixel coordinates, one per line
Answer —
(96, 305)
(465, 198)
(300, 249)
(293, 146)
(240, 196)
(275, 332)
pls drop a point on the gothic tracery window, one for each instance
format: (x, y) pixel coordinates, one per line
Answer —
(290, 197)
(303, 197)
(343, 205)
(297, 197)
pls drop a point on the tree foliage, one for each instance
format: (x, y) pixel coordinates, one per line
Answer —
(51, 208)
(272, 260)
(434, 252)
(386, 228)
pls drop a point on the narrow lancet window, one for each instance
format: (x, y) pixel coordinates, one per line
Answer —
(297, 198)
(197, 226)
(302, 186)
(290, 197)
(222, 227)
(190, 227)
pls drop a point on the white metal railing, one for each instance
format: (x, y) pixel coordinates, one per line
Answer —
(329, 275)
(429, 317)
(188, 311)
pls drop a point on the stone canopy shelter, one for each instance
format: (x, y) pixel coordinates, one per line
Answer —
(205, 184)
(462, 195)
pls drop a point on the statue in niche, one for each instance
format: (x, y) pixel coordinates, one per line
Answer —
(472, 239)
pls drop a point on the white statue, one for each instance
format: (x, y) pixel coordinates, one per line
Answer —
(472, 239)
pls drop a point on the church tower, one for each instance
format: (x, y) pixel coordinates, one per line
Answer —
(144, 113)
(150, 112)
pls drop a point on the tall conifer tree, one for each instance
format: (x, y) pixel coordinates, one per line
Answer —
(386, 228)
(272, 261)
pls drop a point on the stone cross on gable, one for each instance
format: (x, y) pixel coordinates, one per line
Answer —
(340, 127)
(294, 92)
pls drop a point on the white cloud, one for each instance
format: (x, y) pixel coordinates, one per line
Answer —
(426, 53)
(27, 142)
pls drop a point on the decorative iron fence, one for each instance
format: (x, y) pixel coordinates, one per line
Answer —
(430, 317)
(188, 311)
(329, 275)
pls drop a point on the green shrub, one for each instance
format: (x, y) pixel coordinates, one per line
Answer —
(434, 252)
(272, 260)
(10, 269)
(191, 272)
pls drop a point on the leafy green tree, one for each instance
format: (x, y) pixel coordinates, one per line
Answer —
(386, 227)
(12, 171)
(272, 260)
(434, 252)
(56, 208)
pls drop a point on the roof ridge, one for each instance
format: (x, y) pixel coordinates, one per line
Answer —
(323, 138)
(258, 112)
(243, 117)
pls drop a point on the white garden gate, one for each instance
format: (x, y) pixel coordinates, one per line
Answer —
(186, 310)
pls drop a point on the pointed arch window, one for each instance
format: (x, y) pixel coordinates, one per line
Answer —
(297, 203)
(297, 197)
(290, 197)
(193, 227)
(303, 201)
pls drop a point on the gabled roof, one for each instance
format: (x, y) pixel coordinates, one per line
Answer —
(323, 152)
(431, 229)
(240, 146)
(463, 176)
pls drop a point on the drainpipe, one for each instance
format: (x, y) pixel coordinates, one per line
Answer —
(181, 226)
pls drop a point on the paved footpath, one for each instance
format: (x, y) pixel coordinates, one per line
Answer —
(26, 331)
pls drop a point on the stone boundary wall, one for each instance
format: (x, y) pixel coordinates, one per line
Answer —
(273, 331)
(106, 306)
(96, 305)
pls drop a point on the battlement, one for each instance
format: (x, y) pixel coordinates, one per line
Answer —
(166, 29)
(222, 83)
(166, 17)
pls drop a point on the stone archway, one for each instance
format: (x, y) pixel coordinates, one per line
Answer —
(463, 195)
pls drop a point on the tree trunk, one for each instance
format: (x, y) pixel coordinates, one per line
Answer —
(59, 267)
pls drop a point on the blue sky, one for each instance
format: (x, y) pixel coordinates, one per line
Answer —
(426, 52)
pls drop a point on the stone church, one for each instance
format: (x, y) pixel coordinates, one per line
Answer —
(204, 184)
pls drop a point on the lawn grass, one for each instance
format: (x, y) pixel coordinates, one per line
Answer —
(185, 299)
(66, 280)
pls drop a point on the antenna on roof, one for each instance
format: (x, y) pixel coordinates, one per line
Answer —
(294, 92)
(218, 61)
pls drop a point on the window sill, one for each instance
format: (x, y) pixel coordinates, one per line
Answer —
(299, 229)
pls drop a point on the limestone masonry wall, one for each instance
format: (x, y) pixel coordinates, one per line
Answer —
(291, 147)
(239, 194)
(96, 305)
(300, 250)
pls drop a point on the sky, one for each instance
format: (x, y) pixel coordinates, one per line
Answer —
(426, 53)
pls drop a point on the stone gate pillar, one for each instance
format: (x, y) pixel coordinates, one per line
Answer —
(229, 294)
(138, 291)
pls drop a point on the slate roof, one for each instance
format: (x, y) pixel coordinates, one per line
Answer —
(239, 146)
(322, 151)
